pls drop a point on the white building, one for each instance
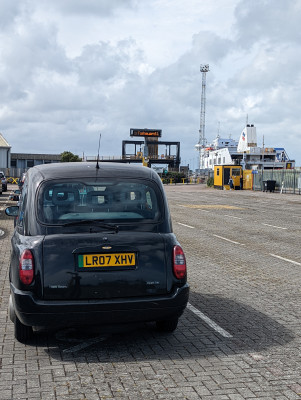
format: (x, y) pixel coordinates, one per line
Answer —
(4, 153)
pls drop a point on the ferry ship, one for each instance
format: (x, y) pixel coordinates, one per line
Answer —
(245, 152)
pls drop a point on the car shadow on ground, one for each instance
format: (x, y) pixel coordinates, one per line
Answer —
(251, 331)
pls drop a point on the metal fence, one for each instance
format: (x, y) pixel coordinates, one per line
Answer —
(14, 172)
(286, 181)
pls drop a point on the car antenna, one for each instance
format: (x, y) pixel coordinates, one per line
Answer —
(97, 163)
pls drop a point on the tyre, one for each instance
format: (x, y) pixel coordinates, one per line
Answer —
(169, 325)
(23, 333)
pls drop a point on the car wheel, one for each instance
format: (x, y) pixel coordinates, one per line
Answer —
(168, 325)
(23, 333)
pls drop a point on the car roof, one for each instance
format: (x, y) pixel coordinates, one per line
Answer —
(88, 169)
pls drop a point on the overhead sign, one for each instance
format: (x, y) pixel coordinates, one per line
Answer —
(146, 132)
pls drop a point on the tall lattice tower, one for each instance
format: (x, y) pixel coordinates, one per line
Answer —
(202, 139)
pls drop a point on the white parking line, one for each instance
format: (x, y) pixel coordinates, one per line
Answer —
(187, 226)
(209, 321)
(3, 207)
(231, 216)
(229, 240)
(273, 226)
(285, 259)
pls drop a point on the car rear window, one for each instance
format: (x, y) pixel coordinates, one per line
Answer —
(65, 201)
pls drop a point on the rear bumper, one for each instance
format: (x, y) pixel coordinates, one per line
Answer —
(33, 312)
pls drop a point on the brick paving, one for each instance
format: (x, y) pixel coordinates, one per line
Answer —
(230, 241)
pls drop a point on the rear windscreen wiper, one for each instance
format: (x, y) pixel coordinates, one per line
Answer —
(95, 222)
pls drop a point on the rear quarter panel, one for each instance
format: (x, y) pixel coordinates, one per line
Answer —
(19, 243)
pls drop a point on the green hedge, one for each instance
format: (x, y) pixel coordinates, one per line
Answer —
(210, 182)
(175, 176)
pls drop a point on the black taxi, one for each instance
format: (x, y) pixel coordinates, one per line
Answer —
(92, 245)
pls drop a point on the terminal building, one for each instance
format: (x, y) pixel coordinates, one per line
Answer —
(14, 164)
(25, 161)
(146, 148)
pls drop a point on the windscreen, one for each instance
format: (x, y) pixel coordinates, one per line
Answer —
(65, 201)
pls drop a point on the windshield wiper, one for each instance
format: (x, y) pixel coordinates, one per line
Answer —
(95, 222)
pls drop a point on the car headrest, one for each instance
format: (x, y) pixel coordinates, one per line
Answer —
(62, 196)
(97, 197)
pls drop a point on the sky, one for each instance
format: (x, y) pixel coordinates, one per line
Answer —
(72, 69)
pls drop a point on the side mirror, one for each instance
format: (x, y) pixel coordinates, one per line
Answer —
(12, 211)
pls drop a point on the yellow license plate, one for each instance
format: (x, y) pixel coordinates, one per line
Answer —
(107, 260)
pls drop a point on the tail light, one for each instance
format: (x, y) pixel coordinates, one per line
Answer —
(26, 267)
(179, 262)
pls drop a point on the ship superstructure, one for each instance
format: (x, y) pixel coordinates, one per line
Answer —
(245, 152)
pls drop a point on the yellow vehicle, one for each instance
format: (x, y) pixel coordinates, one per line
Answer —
(223, 175)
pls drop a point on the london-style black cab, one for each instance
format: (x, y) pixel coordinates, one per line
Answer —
(94, 246)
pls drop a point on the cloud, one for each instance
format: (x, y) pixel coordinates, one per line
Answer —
(9, 11)
(28, 56)
(212, 47)
(136, 74)
(97, 8)
(105, 61)
(264, 20)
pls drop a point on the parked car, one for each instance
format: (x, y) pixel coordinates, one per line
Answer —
(94, 246)
(15, 195)
(4, 181)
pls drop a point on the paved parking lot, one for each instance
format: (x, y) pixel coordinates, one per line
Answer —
(240, 337)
